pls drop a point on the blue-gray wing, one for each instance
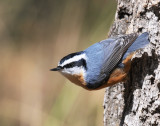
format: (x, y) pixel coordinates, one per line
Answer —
(113, 51)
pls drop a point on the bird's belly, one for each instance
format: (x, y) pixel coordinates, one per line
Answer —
(76, 79)
(118, 75)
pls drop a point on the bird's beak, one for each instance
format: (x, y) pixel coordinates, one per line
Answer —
(56, 69)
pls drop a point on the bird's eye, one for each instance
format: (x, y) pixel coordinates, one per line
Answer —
(70, 65)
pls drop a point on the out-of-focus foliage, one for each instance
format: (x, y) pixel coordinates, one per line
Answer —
(34, 36)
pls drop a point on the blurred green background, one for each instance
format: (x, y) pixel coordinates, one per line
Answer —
(34, 36)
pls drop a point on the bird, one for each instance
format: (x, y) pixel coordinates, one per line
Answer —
(104, 63)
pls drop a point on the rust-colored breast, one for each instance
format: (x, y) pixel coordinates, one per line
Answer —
(76, 79)
(80, 78)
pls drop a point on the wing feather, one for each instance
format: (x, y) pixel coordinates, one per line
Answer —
(114, 52)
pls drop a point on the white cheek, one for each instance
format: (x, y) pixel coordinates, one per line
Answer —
(74, 70)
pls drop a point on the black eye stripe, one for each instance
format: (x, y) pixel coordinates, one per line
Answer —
(70, 65)
(78, 63)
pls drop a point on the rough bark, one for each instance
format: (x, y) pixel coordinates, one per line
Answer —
(137, 101)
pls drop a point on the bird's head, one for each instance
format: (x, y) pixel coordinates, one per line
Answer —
(73, 66)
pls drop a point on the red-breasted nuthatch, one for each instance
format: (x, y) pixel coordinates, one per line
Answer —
(103, 64)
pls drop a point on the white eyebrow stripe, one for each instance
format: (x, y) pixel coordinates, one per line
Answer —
(73, 59)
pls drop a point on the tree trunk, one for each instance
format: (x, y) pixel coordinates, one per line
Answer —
(137, 101)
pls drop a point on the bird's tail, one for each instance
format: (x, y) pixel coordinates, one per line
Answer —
(139, 43)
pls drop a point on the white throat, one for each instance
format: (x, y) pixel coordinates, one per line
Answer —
(74, 71)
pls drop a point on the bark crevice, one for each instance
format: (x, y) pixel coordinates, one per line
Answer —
(139, 65)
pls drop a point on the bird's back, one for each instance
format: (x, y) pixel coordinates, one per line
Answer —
(94, 62)
(106, 55)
